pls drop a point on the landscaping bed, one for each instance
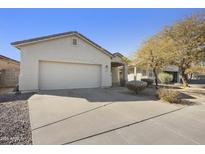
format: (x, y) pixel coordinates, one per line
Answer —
(14, 119)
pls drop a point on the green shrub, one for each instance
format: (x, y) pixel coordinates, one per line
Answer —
(136, 86)
(148, 81)
(165, 78)
(169, 95)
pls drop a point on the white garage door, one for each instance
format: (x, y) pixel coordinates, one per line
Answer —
(58, 75)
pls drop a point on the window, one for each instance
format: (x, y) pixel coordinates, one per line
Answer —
(75, 42)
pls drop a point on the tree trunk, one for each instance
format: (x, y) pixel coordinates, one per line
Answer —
(184, 79)
(156, 78)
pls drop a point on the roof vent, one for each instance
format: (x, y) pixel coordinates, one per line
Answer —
(75, 42)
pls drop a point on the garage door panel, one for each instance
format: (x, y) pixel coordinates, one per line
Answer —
(57, 75)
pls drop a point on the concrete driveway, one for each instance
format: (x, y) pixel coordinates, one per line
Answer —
(112, 116)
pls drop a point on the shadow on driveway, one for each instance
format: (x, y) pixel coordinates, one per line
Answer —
(114, 94)
(15, 97)
(118, 94)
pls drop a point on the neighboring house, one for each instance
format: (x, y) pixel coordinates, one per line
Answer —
(138, 74)
(200, 76)
(174, 71)
(9, 72)
(67, 61)
(134, 73)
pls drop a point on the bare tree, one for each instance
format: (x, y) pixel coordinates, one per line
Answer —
(152, 55)
(188, 40)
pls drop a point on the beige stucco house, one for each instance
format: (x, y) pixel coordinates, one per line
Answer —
(9, 72)
(67, 61)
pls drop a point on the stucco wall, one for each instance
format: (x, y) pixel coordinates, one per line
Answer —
(60, 50)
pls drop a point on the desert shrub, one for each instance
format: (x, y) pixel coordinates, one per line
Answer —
(148, 81)
(169, 95)
(165, 77)
(136, 86)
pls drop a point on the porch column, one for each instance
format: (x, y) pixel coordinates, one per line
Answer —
(125, 70)
(135, 73)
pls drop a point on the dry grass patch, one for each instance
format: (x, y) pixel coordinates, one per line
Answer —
(169, 95)
(173, 96)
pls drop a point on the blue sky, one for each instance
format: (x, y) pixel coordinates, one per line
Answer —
(117, 30)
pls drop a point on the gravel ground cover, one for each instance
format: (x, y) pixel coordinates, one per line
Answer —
(14, 119)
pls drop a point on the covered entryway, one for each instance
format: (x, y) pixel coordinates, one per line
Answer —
(119, 70)
(61, 75)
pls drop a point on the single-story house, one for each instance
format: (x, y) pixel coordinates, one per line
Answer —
(9, 71)
(67, 61)
(134, 73)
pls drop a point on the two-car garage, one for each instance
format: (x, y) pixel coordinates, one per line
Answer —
(63, 75)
